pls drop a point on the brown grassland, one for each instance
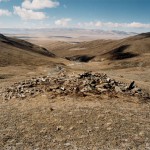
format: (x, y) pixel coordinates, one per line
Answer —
(95, 122)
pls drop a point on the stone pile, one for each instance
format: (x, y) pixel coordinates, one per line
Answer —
(63, 84)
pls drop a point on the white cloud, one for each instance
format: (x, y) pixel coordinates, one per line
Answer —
(138, 25)
(39, 4)
(98, 24)
(28, 14)
(27, 10)
(5, 12)
(114, 25)
(63, 22)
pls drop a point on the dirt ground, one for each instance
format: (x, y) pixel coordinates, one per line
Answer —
(75, 123)
(72, 122)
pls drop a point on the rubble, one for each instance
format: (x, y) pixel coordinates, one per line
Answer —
(83, 85)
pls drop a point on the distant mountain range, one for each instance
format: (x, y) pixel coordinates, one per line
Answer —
(68, 32)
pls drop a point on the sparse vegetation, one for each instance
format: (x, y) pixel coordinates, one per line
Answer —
(54, 120)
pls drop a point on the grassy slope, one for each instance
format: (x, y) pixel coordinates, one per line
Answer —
(135, 49)
(18, 52)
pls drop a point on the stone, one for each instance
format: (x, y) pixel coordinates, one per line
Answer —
(102, 90)
(131, 86)
(99, 86)
(22, 96)
(107, 86)
(58, 128)
(108, 79)
(117, 89)
(123, 88)
(67, 144)
(136, 90)
(62, 88)
(84, 84)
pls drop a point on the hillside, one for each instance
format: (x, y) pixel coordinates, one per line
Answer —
(135, 48)
(16, 52)
(92, 105)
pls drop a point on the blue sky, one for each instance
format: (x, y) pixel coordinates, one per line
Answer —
(125, 15)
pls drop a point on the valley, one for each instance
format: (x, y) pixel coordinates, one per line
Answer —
(74, 94)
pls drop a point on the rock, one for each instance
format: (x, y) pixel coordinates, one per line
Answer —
(67, 144)
(71, 128)
(131, 86)
(107, 86)
(117, 89)
(85, 84)
(108, 80)
(102, 90)
(136, 90)
(86, 74)
(86, 89)
(99, 86)
(123, 88)
(58, 91)
(22, 96)
(58, 128)
(62, 88)
(112, 82)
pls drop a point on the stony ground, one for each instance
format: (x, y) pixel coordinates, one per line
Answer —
(100, 121)
(87, 111)
(62, 83)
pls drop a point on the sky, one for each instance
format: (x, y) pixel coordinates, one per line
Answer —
(124, 15)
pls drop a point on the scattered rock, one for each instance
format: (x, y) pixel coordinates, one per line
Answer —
(84, 84)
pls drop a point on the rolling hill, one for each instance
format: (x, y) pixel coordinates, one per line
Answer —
(131, 51)
(44, 106)
(17, 52)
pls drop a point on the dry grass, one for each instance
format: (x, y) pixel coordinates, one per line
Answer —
(75, 123)
(93, 122)
(130, 50)
(20, 52)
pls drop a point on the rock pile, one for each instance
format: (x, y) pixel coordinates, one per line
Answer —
(63, 84)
